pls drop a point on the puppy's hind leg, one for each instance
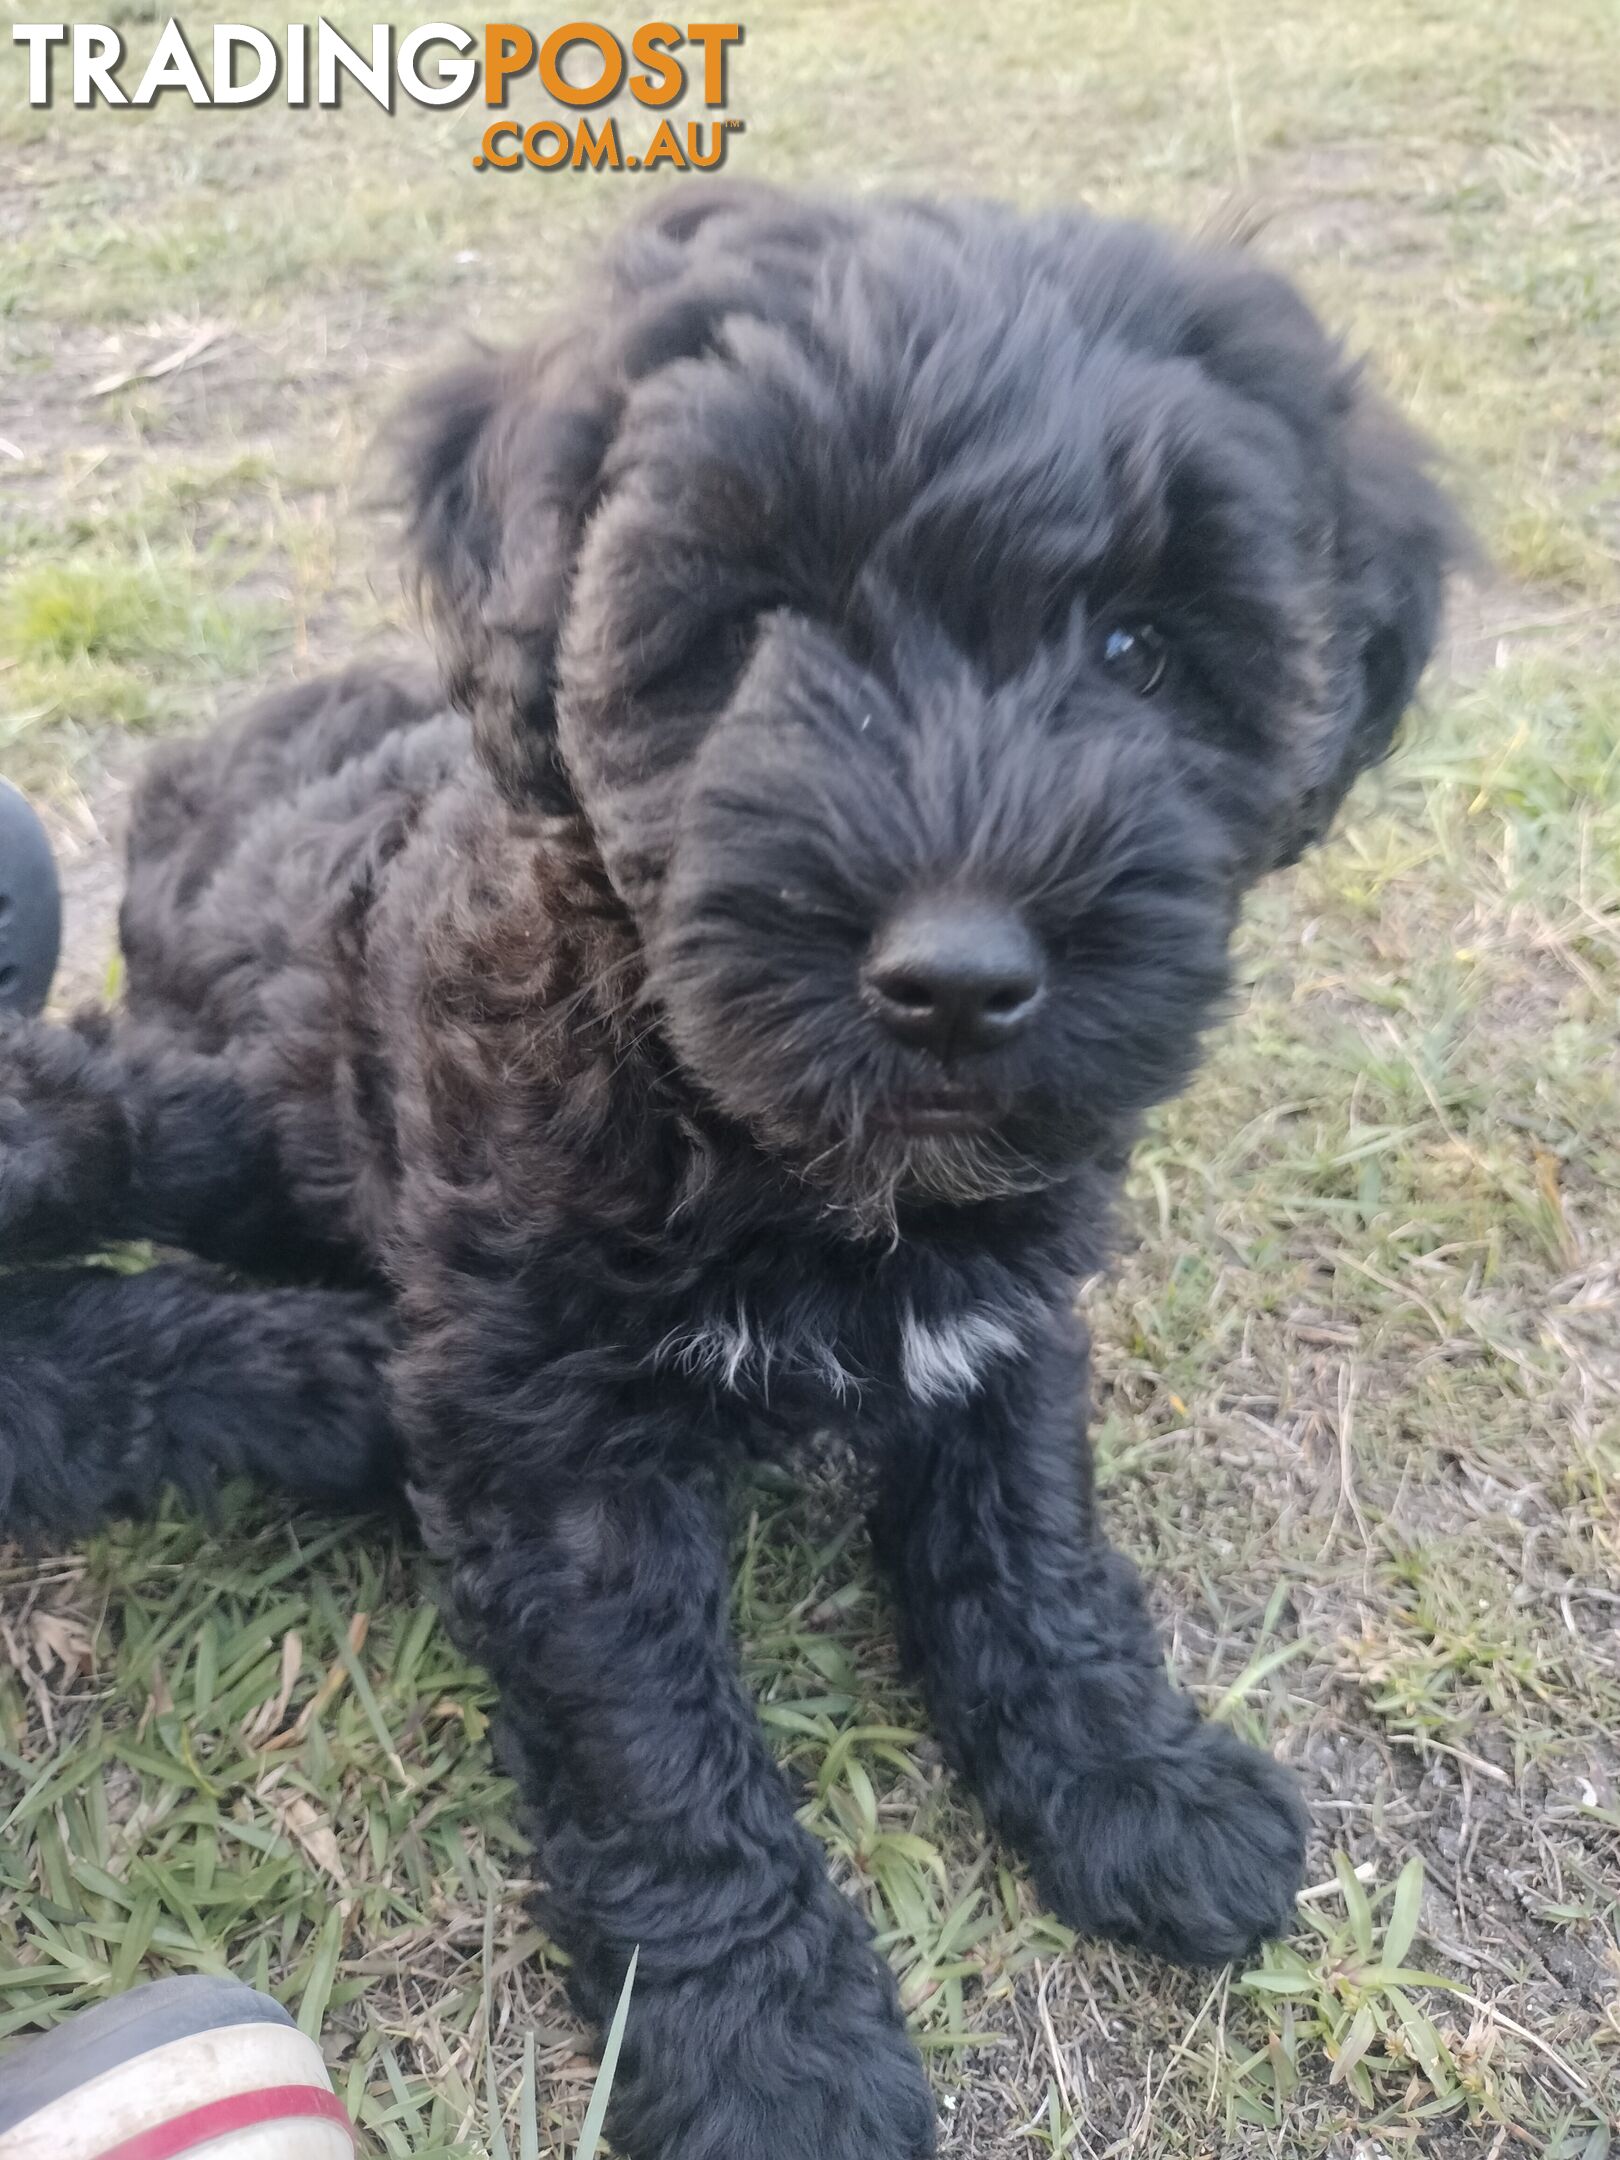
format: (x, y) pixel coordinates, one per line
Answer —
(111, 1132)
(114, 1386)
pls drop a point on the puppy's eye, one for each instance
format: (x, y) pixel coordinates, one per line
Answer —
(1136, 655)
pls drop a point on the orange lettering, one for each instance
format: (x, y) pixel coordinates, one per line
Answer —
(663, 150)
(491, 155)
(694, 141)
(597, 150)
(714, 37)
(560, 145)
(652, 46)
(581, 33)
(508, 50)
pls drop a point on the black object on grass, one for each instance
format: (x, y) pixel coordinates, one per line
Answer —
(30, 906)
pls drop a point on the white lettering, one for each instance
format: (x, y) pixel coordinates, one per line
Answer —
(96, 52)
(228, 37)
(171, 67)
(454, 77)
(39, 37)
(334, 52)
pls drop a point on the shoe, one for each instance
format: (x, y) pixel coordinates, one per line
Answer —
(30, 906)
(183, 2069)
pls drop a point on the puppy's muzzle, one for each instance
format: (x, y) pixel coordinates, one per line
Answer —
(955, 976)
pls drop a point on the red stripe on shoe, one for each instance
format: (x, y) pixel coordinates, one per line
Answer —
(238, 2111)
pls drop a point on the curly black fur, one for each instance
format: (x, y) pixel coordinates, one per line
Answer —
(778, 588)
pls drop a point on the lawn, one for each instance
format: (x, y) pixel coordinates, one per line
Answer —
(1359, 1388)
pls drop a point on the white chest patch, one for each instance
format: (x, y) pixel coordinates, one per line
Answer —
(942, 1359)
(736, 1353)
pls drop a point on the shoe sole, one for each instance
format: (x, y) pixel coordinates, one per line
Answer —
(181, 2068)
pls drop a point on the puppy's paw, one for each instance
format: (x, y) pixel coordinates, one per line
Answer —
(718, 2072)
(1196, 1855)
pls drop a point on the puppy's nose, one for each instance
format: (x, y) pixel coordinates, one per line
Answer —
(955, 975)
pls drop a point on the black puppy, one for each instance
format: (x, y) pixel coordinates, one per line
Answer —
(894, 638)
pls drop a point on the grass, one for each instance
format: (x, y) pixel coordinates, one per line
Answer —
(96, 639)
(1359, 1386)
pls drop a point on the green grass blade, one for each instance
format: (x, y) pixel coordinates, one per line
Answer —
(529, 2105)
(1258, 1669)
(1358, 1910)
(590, 2136)
(1404, 1916)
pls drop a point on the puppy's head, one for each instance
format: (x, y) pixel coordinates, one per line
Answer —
(939, 617)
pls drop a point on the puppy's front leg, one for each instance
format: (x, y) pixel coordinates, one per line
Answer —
(587, 1558)
(1047, 1683)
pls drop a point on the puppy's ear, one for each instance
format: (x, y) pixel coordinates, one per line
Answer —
(1388, 535)
(499, 463)
(1397, 537)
